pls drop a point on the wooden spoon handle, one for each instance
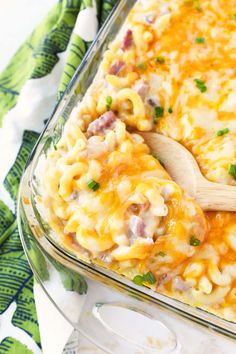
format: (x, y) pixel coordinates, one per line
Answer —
(215, 196)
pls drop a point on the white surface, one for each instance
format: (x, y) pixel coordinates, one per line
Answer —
(17, 20)
(55, 330)
(89, 15)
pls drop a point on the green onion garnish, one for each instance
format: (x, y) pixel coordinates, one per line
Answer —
(142, 66)
(232, 171)
(93, 185)
(222, 132)
(108, 102)
(160, 60)
(149, 278)
(201, 85)
(162, 254)
(138, 280)
(194, 241)
(170, 110)
(197, 5)
(234, 17)
(159, 113)
(200, 40)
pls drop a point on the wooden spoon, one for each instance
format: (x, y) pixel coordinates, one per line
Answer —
(184, 170)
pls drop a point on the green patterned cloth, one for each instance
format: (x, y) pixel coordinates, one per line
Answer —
(36, 66)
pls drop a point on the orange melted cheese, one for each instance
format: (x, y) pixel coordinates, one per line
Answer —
(171, 69)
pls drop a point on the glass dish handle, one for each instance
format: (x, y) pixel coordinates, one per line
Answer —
(124, 325)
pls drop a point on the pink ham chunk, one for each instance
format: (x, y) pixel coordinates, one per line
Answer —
(116, 68)
(179, 284)
(127, 41)
(136, 226)
(104, 122)
(150, 19)
(163, 279)
(142, 89)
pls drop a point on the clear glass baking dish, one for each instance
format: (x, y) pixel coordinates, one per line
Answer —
(46, 255)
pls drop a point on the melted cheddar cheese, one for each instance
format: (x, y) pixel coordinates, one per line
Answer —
(171, 69)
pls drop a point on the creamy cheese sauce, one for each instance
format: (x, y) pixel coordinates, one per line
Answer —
(171, 69)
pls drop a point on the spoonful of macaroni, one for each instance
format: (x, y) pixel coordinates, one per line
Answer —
(184, 170)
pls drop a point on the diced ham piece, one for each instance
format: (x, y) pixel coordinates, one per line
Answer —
(179, 284)
(152, 102)
(136, 226)
(74, 195)
(98, 126)
(127, 41)
(150, 19)
(116, 68)
(106, 258)
(163, 279)
(142, 89)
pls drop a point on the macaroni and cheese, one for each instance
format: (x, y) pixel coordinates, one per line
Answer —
(171, 69)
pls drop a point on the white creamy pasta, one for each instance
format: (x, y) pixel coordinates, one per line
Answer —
(171, 69)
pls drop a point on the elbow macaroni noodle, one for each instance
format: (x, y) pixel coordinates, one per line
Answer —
(108, 199)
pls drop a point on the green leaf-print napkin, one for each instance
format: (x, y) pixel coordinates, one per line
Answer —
(37, 74)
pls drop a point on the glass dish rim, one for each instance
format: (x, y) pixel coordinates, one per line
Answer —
(195, 314)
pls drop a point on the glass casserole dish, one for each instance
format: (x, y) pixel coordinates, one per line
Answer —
(37, 237)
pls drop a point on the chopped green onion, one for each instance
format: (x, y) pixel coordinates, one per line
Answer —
(197, 5)
(232, 171)
(170, 110)
(159, 113)
(149, 278)
(93, 185)
(160, 60)
(201, 85)
(234, 17)
(222, 132)
(194, 241)
(108, 102)
(162, 254)
(142, 66)
(200, 40)
(138, 280)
